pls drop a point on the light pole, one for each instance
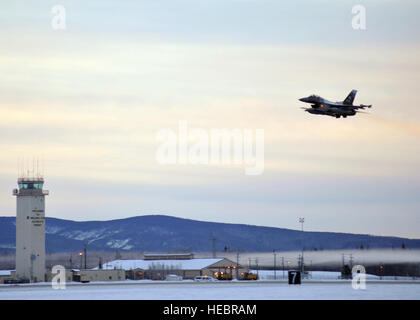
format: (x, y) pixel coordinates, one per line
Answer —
(301, 221)
(85, 251)
(213, 242)
(282, 264)
(81, 260)
(256, 263)
(237, 264)
(274, 253)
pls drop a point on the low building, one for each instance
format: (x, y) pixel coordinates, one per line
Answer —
(187, 269)
(6, 275)
(90, 275)
(68, 274)
(102, 275)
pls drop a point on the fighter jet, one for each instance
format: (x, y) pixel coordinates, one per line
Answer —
(338, 109)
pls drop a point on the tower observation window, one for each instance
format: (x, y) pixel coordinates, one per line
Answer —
(31, 185)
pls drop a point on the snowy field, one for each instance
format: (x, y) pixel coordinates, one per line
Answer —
(321, 275)
(256, 290)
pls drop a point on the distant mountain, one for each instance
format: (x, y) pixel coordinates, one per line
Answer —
(158, 233)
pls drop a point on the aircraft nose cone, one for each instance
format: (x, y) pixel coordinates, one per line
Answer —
(303, 99)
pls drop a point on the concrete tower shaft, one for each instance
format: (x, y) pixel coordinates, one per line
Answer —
(30, 229)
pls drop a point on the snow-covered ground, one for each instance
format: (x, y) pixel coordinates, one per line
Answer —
(315, 275)
(319, 275)
(256, 290)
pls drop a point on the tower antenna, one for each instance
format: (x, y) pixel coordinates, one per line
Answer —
(42, 165)
(37, 168)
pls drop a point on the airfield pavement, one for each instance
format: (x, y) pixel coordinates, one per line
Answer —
(235, 290)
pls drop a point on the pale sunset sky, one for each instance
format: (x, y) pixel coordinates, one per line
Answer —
(89, 100)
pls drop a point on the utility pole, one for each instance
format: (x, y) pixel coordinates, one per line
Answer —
(85, 251)
(213, 240)
(282, 264)
(274, 253)
(237, 265)
(301, 221)
(256, 263)
(300, 261)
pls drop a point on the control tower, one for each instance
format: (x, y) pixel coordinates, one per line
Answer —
(30, 229)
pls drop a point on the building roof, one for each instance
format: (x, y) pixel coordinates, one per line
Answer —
(192, 264)
(168, 256)
(6, 272)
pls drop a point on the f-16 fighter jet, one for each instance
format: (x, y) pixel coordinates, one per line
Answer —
(338, 109)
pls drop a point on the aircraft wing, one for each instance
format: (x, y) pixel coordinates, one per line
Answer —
(362, 106)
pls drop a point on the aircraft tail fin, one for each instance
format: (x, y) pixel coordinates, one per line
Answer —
(350, 97)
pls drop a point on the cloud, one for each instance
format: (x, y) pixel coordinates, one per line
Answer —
(108, 114)
(90, 101)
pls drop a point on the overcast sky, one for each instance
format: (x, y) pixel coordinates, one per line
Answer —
(90, 99)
